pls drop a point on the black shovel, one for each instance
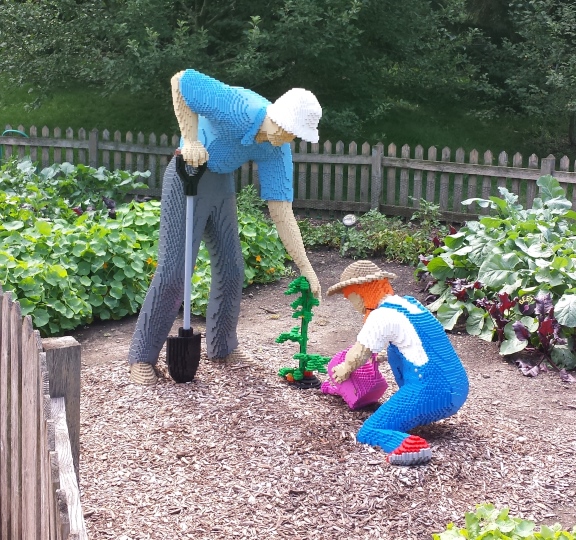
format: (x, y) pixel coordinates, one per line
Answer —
(183, 351)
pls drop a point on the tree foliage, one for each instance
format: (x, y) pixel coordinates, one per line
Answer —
(361, 57)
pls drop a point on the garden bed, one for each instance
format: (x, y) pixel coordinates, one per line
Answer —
(239, 454)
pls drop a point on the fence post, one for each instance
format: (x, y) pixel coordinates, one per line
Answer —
(93, 148)
(547, 165)
(63, 363)
(376, 192)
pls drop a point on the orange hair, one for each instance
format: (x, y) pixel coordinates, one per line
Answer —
(371, 292)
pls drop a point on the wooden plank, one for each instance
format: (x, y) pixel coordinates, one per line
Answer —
(445, 182)
(33, 149)
(332, 159)
(245, 175)
(327, 172)
(106, 153)
(45, 140)
(55, 486)
(502, 162)
(21, 147)
(339, 174)
(152, 180)
(30, 434)
(82, 155)
(465, 168)
(128, 154)
(5, 407)
(70, 146)
(63, 360)
(486, 182)
(68, 482)
(472, 179)
(344, 206)
(404, 177)
(516, 163)
(43, 447)
(417, 192)
(351, 180)
(255, 175)
(458, 191)
(57, 149)
(93, 148)
(390, 195)
(45, 148)
(365, 174)
(431, 176)
(15, 420)
(63, 516)
(302, 171)
(314, 172)
(140, 155)
(376, 179)
(531, 185)
(117, 153)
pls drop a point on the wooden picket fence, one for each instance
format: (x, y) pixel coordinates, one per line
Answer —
(328, 178)
(39, 431)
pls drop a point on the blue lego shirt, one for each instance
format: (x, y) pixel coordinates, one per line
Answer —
(228, 120)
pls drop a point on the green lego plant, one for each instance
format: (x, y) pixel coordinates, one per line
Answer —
(303, 305)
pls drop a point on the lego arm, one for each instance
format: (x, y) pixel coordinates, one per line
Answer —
(357, 356)
(283, 217)
(193, 151)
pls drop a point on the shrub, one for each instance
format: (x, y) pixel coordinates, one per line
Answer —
(490, 523)
(512, 275)
(377, 235)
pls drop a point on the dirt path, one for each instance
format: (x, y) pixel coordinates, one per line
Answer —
(238, 454)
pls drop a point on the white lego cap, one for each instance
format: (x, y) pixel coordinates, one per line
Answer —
(298, 112)
(357, 273)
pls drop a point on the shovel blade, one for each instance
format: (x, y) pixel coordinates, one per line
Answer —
(183, 355)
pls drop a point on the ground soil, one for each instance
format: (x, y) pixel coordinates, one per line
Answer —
(237, 453)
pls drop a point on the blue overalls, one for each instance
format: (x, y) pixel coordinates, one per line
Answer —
(427, 393)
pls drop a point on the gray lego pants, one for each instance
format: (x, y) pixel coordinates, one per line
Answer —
(216, 222)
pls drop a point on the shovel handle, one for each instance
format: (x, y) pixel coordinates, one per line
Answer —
(190, 181)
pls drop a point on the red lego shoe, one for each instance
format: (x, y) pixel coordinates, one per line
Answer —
(414, 450)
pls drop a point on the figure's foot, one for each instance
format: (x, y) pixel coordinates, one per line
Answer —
(143, 374)
(236, 356)
(414, 450)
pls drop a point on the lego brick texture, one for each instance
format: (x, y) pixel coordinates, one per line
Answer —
(215, 221)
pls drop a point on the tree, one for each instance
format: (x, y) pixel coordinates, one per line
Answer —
(530, 70)
(360, 57)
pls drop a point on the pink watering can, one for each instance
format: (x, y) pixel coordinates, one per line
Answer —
(365, 386)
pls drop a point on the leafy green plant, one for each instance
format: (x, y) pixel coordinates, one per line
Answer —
(69, 260)
(376, 235)
(490, 523)
(492, 269)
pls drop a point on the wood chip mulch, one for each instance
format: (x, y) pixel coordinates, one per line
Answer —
(238, 453)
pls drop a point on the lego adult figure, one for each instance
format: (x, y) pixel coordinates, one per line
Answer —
(432, 381)
(224, 126)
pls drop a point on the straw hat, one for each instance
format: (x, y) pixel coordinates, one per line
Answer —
(298, 112)
(357, 273)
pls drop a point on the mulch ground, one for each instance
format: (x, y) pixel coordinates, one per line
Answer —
(238, 453)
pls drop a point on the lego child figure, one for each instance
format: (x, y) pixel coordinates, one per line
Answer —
(225, 126)
(432, 381)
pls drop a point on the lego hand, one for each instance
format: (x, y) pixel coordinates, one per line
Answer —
(340, 373)
(194, 153)
(310, 275)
